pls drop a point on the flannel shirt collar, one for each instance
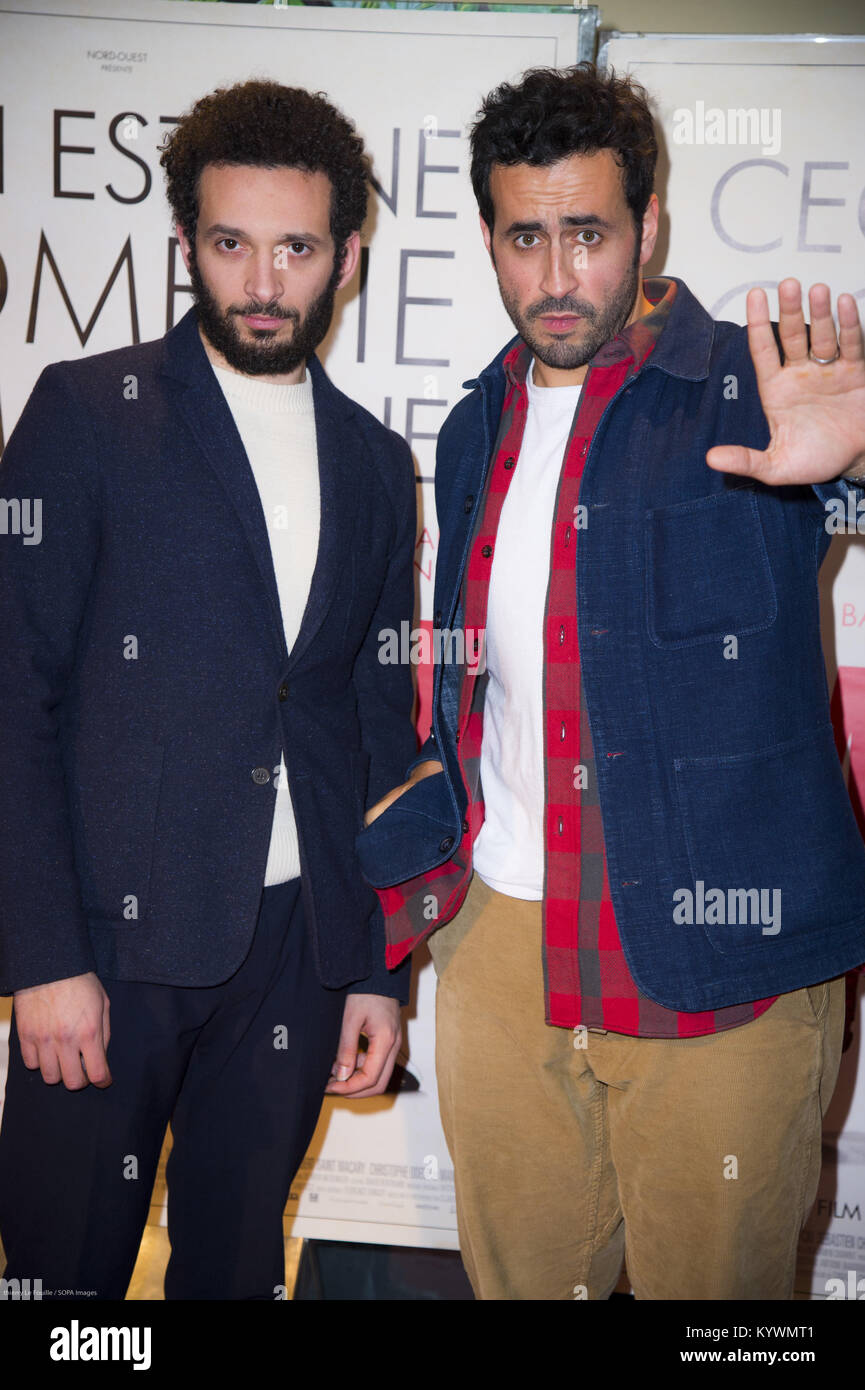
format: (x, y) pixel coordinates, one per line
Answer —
(635, 341)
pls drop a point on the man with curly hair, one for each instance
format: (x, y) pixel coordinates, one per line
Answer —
(632, 848)
(193, 717)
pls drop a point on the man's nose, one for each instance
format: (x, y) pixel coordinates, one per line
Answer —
(560, 276)
(263, 281)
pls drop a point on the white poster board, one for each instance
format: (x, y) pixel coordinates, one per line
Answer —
(750, 199)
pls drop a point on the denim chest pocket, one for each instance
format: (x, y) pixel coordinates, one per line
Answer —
(707, 570)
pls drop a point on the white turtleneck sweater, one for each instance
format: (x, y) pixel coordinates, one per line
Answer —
(277, 427)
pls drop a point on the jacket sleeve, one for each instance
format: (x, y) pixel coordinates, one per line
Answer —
(385, 694)
(394, 984)
(49, 465)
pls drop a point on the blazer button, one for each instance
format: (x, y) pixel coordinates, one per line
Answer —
(487, 551)
(469, 503)
(260, 775)
(283, 691)
(446, 844)
(465, 827)
(510, 461)
(437, 620)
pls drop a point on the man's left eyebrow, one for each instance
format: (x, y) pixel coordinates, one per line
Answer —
(303, 236)
(517, 227)
(220, 229)
(586, 219)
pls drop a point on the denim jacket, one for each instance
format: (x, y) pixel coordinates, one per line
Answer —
(703, 671)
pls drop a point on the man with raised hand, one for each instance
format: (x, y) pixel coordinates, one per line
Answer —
(629, 840)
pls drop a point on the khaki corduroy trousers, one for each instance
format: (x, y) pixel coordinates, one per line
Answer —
(695, 1159)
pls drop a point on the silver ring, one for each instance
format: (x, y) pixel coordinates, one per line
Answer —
(825, 361)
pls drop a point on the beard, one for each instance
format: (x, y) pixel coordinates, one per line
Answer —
(603, 324)
(262, 355)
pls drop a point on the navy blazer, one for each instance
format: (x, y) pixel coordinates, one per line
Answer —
(146, 691)
(716, 762)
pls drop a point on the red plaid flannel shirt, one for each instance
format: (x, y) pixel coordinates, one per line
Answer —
(586, 976)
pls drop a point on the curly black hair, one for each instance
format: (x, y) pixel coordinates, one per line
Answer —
(557, 112)
(265, 124)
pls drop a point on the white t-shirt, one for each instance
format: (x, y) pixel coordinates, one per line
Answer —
(509, 850)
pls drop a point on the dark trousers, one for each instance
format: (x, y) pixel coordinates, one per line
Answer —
(238, 1068)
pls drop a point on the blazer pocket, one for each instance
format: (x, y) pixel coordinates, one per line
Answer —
(707, 570)
(766, 834)
(116, 795)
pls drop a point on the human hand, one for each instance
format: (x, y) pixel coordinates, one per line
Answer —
(64, 1030)
(815, 412)
(356, 1073)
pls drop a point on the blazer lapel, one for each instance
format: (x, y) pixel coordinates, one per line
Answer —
(209, 416)
(338, 442)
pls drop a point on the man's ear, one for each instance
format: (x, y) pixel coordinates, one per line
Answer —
(487, 235)
(184, 244)
(650, 229)
(350, 259)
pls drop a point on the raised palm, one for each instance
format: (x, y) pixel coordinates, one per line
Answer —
(815, 412)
